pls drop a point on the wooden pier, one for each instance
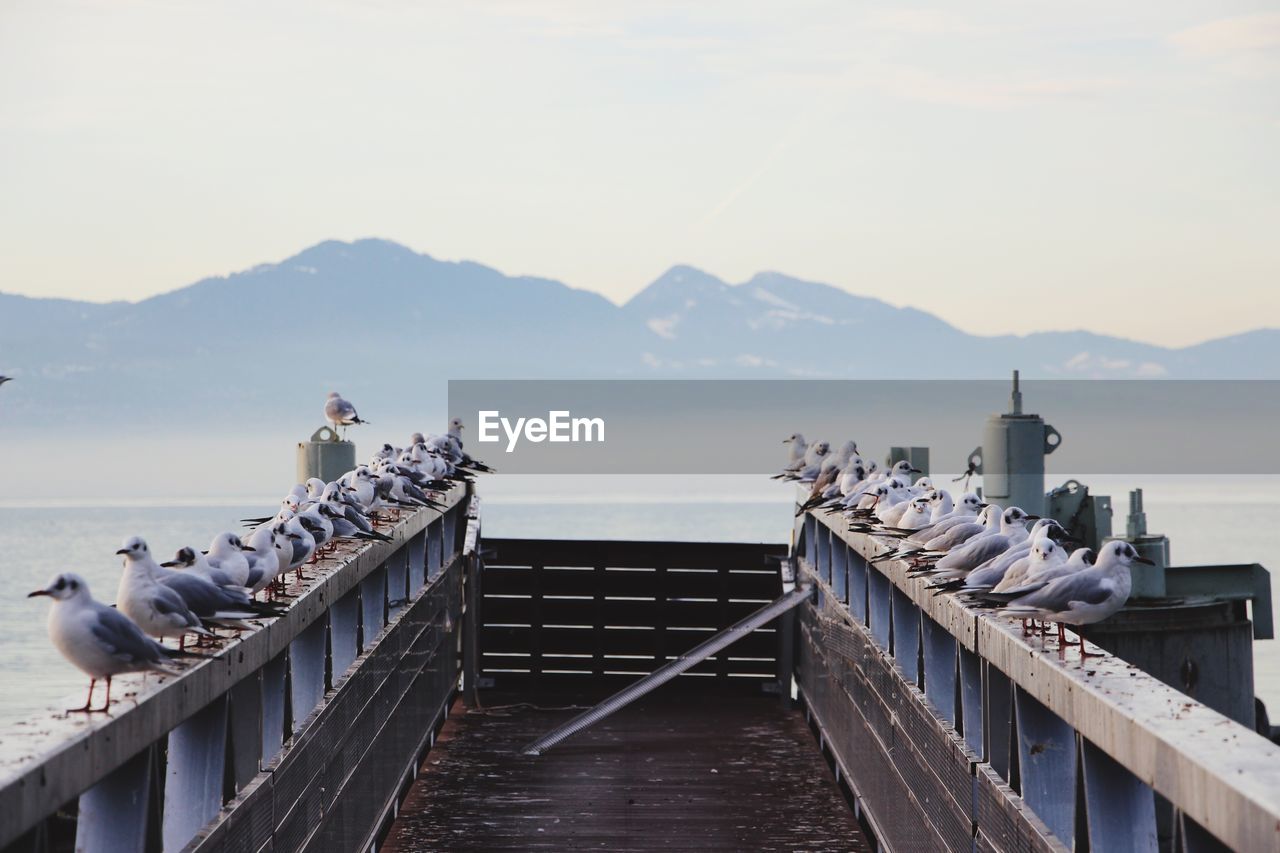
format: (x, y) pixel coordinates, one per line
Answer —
(693, 766)
(406, 676)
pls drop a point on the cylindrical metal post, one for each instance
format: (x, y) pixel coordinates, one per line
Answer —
(1013, 449)
(325, 456)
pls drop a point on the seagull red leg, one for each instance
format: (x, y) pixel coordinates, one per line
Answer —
(88, 703)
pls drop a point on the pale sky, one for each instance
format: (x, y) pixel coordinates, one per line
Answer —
(1010, 166)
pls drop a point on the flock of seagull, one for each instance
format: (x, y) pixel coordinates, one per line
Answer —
(981, 551)
(200, 591)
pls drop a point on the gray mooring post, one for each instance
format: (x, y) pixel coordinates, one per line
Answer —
(1148, 581)
(325, 456)
(1011, 458)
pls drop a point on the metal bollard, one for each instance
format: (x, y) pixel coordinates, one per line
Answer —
(325, 456)
(1011, 458)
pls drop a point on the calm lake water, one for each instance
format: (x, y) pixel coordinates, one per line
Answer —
(1206, 522)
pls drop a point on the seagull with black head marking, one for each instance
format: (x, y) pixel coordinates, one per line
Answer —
(1085, 597)
(154, 607)
(976, 551)
(99, 641)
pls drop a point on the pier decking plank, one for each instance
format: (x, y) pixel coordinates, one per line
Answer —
(685, 768)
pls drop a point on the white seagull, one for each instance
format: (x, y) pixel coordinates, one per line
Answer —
(157, 609)
(1086, 596)
(97, 640)
(340, 412)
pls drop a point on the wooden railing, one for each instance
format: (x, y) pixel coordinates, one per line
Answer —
(955, 731)
(298, 735)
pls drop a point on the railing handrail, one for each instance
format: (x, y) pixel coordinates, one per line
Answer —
(44, 766)
(1221, 774)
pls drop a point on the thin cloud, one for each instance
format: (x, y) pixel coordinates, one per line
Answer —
(919, 84)
(924, 22)
(1243, 46)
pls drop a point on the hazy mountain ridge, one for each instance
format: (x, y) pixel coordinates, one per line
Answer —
(387, 325)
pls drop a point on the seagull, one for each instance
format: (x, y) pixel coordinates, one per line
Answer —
(795, 457)
(341, 413)
(273, 550)
(97, 640)
(226, 552)
(993, 572)
(1042, 556)
(1049, 568)
(225, 606)
(157, 609)
(984, 546)
(1084, 597)
(454, 437)
(194, 561)
(948, 534)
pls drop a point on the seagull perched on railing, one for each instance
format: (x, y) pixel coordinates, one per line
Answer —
(97, 640)
(199, 589)
(1083, 597)
(341, 413)
(155, 608)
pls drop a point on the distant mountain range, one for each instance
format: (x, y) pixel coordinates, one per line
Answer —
(387, 326)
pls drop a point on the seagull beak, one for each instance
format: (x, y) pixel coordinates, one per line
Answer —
(915, 470)
(247, 548)
(123, 551)
(170, 564)
(1033, 518)
(37, 592)
(1136, 560)
(983, 506)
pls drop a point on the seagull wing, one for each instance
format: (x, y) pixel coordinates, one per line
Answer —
(167, 602)
(122, 639)
(1057, 596)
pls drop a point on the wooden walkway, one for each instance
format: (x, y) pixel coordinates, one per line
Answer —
(682, 769)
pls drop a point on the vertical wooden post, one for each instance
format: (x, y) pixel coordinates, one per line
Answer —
(274, 677)
(113, 813)
(417, 562)
(471, 630)
(397, 566)
(939, 667)
(373, 606)
(246, 729)
(971, 699)
(344, 633)
(1047, 765)
(1120, 807)
(306, 669)
(906, 634)
(194, 774)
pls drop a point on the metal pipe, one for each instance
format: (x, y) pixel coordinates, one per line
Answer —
(663, 674)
